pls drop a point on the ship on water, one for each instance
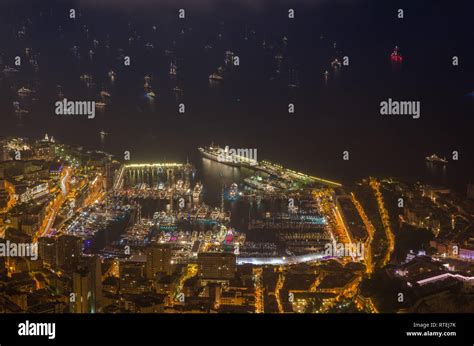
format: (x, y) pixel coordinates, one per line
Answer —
(9, 69)
(336, 64)
(100, 105)
(225, 156)
(173, 68)
(105, 95)
(215, 77)
(178, 90)
(214, 153)
(232, 193)
(436, 159)
(396, 56)
(150, 94)
(25, 91)
(293, 81)
(86, 77)
(233, 190)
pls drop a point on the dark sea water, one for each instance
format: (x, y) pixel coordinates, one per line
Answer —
(249, 110)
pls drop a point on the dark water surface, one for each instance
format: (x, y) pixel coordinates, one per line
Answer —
(249, 110)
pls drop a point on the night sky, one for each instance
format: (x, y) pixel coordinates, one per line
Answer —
(249, 108)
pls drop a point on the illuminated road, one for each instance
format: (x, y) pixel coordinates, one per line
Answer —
(341, 226)
(371, 306)
(278, 287)
(369, 263)
(65, 182)
(259, 296)
(57, 204)
(375, 185)
(281, 260)
(337, 228)
(11, 201)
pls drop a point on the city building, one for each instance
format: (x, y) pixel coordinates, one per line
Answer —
(216, 266)
(69, 251)
(87, 286)
(158, 260)
(47, 250)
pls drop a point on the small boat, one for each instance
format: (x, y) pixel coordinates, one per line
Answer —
(436, 159)
(25, 91)
(86, 77)
(336, 63)
(396, 56)
(9, 69)
(173, 68)
(215, 77)
(104, 94)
